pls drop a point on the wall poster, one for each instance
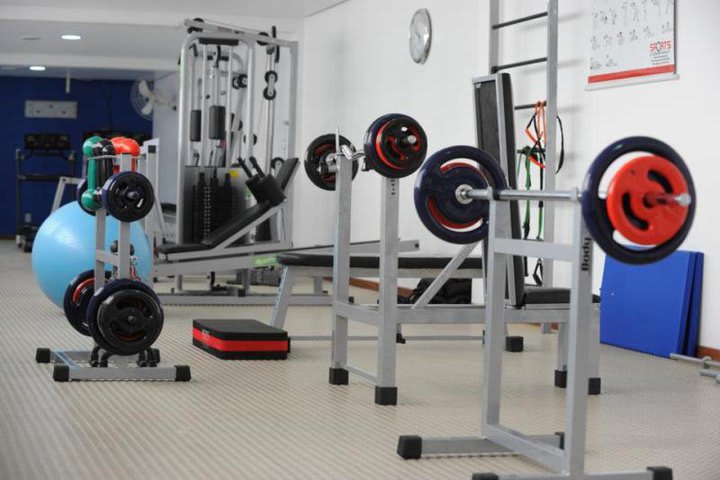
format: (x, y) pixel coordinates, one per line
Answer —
(631, 41)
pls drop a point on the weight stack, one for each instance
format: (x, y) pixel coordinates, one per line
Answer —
(224, 209)
(207, 209)
(198, 191)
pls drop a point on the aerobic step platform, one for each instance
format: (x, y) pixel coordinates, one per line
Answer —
(241, 339)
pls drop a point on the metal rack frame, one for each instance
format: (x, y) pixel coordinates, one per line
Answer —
(563, 453)
(388, 316)
(97, 364)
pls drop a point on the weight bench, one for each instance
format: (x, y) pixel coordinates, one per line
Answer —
(531, 304)
(301, 264)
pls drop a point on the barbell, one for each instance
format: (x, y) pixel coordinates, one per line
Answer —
(643, 213)
(394, 145)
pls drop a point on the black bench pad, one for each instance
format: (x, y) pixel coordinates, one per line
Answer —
(317, 260)
(170, 248)
(549, 296)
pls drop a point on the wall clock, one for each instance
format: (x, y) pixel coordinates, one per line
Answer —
(420, 35)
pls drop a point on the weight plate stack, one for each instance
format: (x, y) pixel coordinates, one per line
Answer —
(319, 160)
(395, 145)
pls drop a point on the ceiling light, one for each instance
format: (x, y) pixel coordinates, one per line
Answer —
(30, 37)
(37, 68)
(69, 36)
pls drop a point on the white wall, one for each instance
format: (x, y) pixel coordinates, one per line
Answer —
(357, 67)
(165, 127)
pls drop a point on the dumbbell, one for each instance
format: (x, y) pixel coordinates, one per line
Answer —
(127, 196)
(643, 216)
(394, 145)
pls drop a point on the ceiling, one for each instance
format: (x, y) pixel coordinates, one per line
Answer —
(126, 39)
(246, 8)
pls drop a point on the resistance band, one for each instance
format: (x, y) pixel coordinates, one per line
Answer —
(535, 130)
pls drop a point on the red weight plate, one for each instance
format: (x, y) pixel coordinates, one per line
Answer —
(432, 207)
(456, 164)
(628, 209)
(80, 288)
(379, 150)
(378, 146)
(437, 215)
(321, 150)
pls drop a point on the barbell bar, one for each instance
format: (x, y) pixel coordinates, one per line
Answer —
(649, 200)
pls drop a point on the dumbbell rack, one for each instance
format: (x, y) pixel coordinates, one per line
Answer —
(96, 364)
(562, 453)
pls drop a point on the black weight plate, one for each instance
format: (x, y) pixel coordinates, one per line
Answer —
(93, 320)
(595, 212)
(371, 157)
(385, 154)
(128, 196)
(317, 152)
(435, 193)
(130, 321)
(75, 306)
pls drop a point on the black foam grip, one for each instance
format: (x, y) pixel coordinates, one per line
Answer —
(195, 125)
(217, 122)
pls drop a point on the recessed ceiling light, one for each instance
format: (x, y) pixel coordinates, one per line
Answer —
(37, 68)
(8, 67)
(69, 36)
(30, 37)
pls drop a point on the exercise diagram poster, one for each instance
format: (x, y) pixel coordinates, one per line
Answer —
(631, 40)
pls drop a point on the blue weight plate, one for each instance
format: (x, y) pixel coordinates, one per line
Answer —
(595, 212)
(435, 193)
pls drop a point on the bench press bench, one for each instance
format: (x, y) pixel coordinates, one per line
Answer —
(529, 306)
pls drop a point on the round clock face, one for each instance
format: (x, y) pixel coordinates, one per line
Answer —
(420, 35)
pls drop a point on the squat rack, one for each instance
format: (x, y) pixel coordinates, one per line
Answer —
(563, 453)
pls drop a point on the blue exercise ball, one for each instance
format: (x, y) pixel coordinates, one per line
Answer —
(65, 246)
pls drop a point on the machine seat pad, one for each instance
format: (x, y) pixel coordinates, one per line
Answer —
(414, 262)
(549, 296)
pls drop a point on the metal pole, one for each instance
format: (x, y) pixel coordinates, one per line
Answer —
(387, 309)
(341, 261)
(551, 134)
(203, 109)
(228, 110)
(496, 264)
(579, 329)
(292, 131)
(249, 118)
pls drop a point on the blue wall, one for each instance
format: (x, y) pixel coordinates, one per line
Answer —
(101, 104)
